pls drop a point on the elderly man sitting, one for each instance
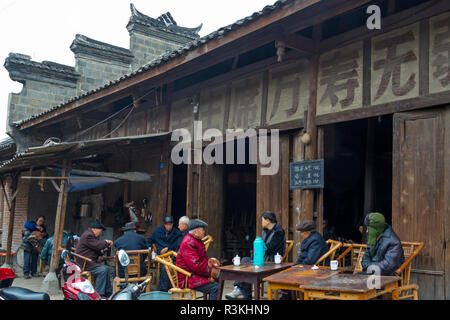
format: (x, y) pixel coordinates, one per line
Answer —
(313, 246)
(192, 258)
(384, 248)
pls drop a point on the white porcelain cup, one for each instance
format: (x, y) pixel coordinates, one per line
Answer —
(277, 258)
(237, 260)
(333, 264)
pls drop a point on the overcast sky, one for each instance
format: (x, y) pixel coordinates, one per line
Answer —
(44, 29)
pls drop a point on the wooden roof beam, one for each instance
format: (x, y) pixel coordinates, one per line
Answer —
(253, 35)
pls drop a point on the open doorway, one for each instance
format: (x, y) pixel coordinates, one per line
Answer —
(239, 230)
(179, 186)
(358, 174)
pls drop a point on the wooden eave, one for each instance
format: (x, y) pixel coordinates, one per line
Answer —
(292, 17)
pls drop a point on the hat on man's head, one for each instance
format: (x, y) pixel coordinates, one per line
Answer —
(168, 219)
(97, 225)
(129, 226)
(307, 225)
(196, 223)
(376, 227)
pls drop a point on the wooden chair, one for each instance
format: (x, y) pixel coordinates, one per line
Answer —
(334, 246)
(360, 249)
(289, 245)
(207, 241)
(154, 266)
(84, 273)
(354, 252)
(410, 251)
(133, 269)
(172, 271)
(406, 289)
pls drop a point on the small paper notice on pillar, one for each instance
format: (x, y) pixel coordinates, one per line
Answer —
(315, 267)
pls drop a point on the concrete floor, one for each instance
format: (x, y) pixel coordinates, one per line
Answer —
(35, 284)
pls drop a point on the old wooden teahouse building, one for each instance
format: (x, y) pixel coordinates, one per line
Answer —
(375, 104)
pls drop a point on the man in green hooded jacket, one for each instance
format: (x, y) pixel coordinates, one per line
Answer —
(384, 248)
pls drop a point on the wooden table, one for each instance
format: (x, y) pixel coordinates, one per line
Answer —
(294, 277)
(247, 272)
(350, 287)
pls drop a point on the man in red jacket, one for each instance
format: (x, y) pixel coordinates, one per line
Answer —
(192, 257)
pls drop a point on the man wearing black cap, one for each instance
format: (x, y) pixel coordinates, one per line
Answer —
(91, 247)
(313, 246)
(166, 239)
(131, 241)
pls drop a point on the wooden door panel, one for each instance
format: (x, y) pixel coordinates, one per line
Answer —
(417, 212)
(211, 204)
(272, 191)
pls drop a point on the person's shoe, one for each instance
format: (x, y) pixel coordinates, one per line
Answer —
(35, 275)
(236, 294)
(27, 276)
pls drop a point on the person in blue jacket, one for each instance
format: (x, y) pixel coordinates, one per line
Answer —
(46, 253)
(165, 238)
(130, 240)
(313, 246)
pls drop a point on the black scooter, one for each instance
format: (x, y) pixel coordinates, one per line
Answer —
(128, 291)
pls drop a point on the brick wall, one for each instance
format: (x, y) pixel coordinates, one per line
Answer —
(21, 213)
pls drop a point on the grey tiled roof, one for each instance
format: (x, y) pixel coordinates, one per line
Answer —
(25, 60)
(165, 22)
(171, 55)
(6, 143)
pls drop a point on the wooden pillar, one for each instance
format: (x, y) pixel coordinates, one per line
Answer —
(307, 202)
(12, 209)
(60, 217)
(320, 155)
(368, 175)
(298, 155)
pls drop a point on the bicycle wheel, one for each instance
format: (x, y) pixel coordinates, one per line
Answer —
(18, 258)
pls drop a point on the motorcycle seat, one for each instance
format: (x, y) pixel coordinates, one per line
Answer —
(16, 293)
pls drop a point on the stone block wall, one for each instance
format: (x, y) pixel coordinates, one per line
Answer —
(98, 62)
(45, 84)
(145, 48)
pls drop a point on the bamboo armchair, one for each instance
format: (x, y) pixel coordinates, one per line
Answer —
(154, 266)
(407, 290)
(334, 246)
(133, 270)
(289, 245)
(84, 273)
(207, 241)
(354, 252)
(410, 251)
(172, 271)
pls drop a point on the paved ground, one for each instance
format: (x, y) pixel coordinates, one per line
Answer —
(35, 284)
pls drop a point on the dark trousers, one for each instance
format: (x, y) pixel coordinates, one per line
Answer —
(102, 280)
(245, 287)
(164, 281)
(30, 262)
(209, 288)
